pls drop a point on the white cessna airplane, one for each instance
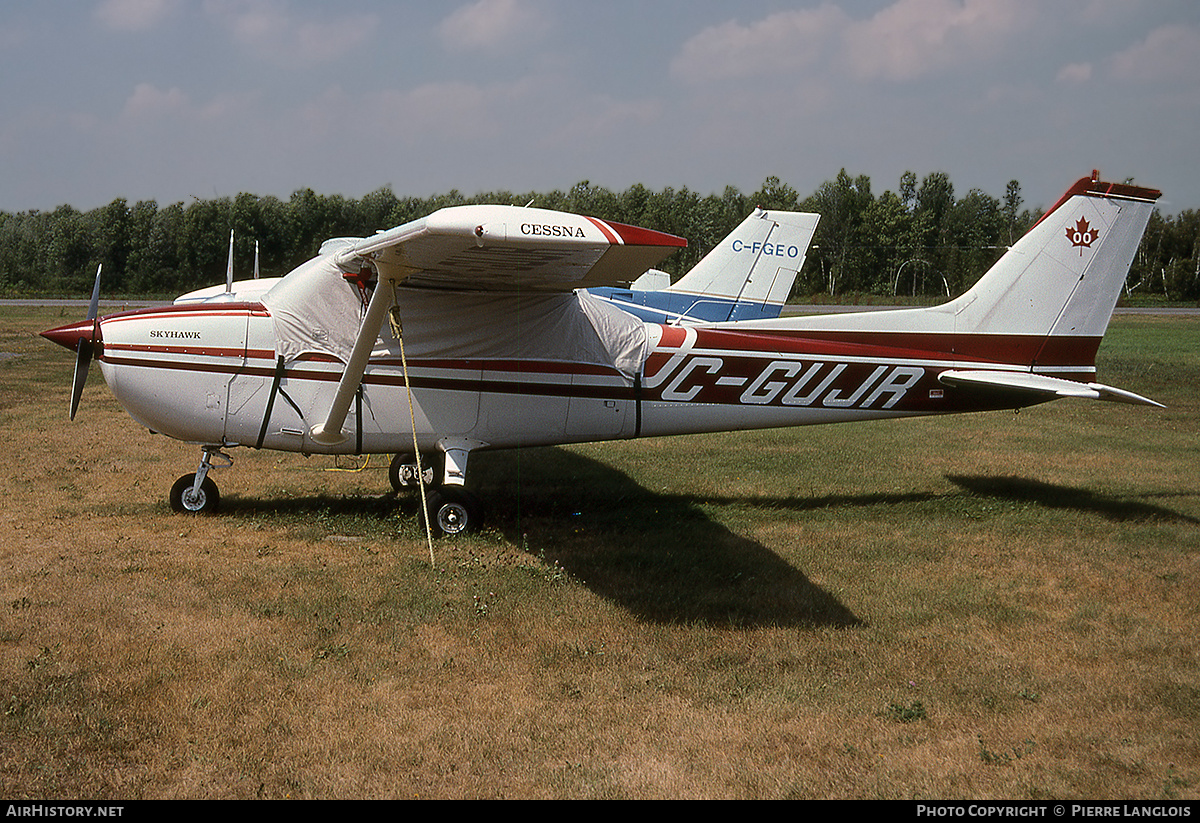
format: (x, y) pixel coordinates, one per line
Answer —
(749, 274)
(471, 329)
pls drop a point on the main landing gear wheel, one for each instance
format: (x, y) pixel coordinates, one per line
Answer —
(403, 471)
(452, 511)
(183, 499)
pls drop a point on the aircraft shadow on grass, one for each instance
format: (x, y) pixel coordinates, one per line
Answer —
(1052, 496)
(659, 555)
(1013, 489)
(656, 555)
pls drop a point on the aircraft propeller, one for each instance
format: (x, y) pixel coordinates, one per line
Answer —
(86, 348)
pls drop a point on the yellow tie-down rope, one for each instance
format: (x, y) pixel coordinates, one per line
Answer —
(336, 468)
(398, 333)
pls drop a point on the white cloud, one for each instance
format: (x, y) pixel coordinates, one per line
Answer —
(489, 25)
(434, 114)
(133, 15)
(449, 110)
(603, 117)
(904, 41)
(784, 41)
(150, 106)
(148, 101)
(272, 31)
(1075, 73)
(911, 38)
(1167, 53)
(249, 23)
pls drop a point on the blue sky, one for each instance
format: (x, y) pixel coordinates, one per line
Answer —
(172, 99)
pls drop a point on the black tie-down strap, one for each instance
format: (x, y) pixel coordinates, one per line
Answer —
(358, 401)
(637, 403)
(275, 389)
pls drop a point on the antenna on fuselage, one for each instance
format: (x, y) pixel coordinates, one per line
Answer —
(255, 259)
(229, 266)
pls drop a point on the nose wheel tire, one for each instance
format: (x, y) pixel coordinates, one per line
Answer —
(185, 501)
(453, 511)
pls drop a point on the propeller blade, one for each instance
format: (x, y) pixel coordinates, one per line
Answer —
(86, 347)
(94, 306)
(83, 359)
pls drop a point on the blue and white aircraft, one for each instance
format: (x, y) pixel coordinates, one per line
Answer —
(748, 276)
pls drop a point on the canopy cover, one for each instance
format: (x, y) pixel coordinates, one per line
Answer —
(316, 310)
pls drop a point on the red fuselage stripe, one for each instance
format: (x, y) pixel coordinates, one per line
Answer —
(1012, 349)
(472, 380)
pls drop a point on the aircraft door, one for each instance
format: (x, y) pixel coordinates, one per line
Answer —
(251, 389)
(597, 409)
(522, 404)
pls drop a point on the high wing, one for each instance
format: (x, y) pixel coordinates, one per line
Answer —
(489, 248)
(510, 248)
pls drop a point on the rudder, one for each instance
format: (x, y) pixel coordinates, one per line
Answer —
(1063, 278)
(756, 263)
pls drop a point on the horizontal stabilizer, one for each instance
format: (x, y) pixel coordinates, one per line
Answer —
(1121, 396)
(1039, 386)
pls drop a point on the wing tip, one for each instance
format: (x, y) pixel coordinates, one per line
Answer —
(629, 235)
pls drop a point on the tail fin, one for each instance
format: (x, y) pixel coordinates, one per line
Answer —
(1033, 323)
(1056, 288)
(755, 266)
(749, 275)
(1045, 305)
(1063, 278)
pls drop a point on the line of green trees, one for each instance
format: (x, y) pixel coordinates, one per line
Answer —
(917, 240)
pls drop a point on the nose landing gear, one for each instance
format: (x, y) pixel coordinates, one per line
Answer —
(197, 493)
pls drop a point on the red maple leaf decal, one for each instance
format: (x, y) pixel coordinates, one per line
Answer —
(1082, 234)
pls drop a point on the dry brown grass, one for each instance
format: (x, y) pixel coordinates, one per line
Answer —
(994, 606)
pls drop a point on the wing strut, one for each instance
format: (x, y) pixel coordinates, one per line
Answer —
(330, 432)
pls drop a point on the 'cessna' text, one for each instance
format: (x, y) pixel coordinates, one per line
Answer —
(546, 230)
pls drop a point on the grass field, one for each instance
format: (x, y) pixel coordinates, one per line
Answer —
(986, 606)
